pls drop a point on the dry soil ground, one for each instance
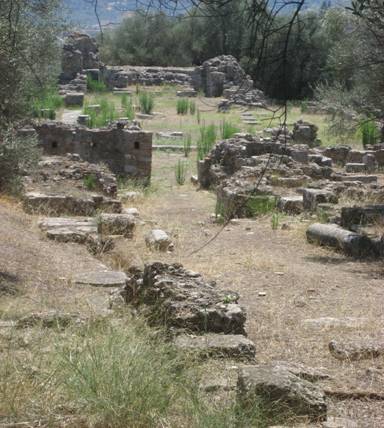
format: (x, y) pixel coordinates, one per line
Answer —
(283, 281)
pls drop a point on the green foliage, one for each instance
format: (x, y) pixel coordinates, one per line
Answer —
(17, 155)
(206, 140)
(192, 107)
(275, 221)
(127, 106)
(260, 205)
(227, 129)
(101, 117)
(181, 172)
(182, 106)
(369, 132)
(187, 145)
(90, 181)
(96, 85)
(198, 116)
(29, 55)
(147, 102)
(45, 104)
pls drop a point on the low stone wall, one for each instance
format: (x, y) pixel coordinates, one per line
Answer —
(126, 152)
(121, 77)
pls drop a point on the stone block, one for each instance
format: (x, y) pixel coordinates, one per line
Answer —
(159, 240)
(312, 197)
(116, 224)
(291, 204)
(74, 99)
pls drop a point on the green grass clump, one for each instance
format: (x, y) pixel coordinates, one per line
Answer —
(102, 117)
(147, 103)
(90, 181)
(369, 132)
(187, 145)
(192, 107)
(96, 85)
(181, 172)
(127, 106)
(260, 205)
(206, 140)
(228, 129)
(182, 106)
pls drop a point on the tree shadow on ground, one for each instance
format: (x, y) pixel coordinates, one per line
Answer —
(8, 284)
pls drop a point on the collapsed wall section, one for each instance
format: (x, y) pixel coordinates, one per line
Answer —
(126, 152)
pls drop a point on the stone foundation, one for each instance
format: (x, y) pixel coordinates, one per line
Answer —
(126, 152)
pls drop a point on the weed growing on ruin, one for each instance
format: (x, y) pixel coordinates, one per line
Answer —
(102, 116)
(206, 140)
(228, 129)
(127, 106)
(90, 181)
(260, 205)
(187, 145)
(181, 172)
(182, 106)
(96, 85)
(147, 102)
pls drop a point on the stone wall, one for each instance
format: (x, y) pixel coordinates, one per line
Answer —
(121, 77)
(127, 152)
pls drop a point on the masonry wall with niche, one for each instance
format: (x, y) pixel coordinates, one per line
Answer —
(126, 152)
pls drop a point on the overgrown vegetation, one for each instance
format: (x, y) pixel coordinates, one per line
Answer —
(187, 145)
(147, 102)
(228, 129)
(45, 104)
(112, 375)
(206, 141)
(369, 132)
(17, 155)
(258, 205)
(100, 114)
(94, 85)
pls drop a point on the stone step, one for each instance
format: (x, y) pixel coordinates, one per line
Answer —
(101, 279)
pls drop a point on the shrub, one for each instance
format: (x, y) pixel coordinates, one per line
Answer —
(227, 129)
(146, 101)
(206, 140)
(369, 132)
(182, 106)
(187, 143)
(17, 155)
(181, 172)
(96, 85)
(275, 221)
(198, 116)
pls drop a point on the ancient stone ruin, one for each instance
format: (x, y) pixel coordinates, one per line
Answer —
(127, 152)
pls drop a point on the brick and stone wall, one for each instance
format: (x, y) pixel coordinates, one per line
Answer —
(127, 152)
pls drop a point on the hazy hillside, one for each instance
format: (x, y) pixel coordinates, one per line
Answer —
(81, 13)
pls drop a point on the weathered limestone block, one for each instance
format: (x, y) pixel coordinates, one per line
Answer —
(72, 99)
(187, 93)
(379, 156)
(233, 346)
(101, 279)
(338, 154)
(159, 240)
(313, 197)
(116, 224)
(283, 389)
(369, 214)
(181, 299)
(357, 350)
(355, 167)
(332, 235)
(360, 178)
(355, 156)
(291, 204)
(305, 133)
